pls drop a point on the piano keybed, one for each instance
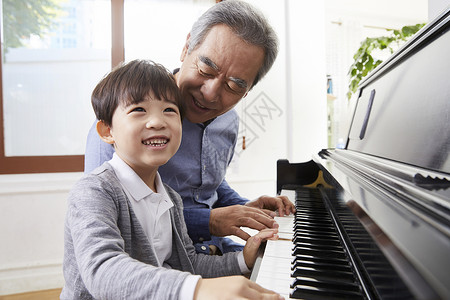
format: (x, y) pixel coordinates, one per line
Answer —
(315, 256)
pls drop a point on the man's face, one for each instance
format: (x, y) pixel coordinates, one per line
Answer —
(217, 74)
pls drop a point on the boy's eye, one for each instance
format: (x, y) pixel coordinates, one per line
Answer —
(170, 109)
(138, 109)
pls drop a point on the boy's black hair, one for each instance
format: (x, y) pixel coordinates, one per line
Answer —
(131, 83)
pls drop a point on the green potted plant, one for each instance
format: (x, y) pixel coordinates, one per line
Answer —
(365, 62)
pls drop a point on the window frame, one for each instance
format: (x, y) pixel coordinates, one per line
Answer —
(63, 163)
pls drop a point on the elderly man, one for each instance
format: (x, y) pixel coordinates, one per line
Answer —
(228, 50)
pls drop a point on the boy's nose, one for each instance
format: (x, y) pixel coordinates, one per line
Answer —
(155, 122)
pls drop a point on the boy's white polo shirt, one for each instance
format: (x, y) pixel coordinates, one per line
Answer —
(152, 211)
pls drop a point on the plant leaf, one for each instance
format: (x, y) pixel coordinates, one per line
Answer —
(363, 61)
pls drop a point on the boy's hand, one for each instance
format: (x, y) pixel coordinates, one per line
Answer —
(232, 287)
(253, 243)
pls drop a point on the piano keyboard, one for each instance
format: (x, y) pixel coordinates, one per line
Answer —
(308, 261)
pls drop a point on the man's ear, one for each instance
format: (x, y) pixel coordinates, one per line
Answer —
(104, 131)
(185, 48)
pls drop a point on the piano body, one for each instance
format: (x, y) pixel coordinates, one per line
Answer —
(373, 219)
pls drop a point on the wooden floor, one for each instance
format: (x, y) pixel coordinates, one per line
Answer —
(40, 295)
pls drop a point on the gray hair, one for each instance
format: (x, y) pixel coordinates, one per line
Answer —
(246, 22)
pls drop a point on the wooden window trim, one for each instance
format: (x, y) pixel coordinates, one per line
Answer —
(68, 163)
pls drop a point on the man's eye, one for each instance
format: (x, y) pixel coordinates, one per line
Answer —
(204, 73)
(233, 87)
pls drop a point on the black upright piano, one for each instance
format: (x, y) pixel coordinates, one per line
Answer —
(373, 219)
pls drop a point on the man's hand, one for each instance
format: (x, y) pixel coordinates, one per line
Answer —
(281, 203)
(225, 221)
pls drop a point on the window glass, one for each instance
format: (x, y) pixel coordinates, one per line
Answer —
(54, 53)
(157, 30)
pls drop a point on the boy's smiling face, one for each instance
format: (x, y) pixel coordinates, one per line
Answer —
(145, 135)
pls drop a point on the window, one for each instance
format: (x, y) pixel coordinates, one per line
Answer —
(162, 36)
(53, 54)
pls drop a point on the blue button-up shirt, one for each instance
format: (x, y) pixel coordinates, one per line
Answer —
(197, 172)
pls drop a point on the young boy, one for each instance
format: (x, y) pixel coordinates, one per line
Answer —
(125, 236)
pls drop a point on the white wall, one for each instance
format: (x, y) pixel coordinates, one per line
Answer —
(308, 79)
(32, 211)
(296, 89)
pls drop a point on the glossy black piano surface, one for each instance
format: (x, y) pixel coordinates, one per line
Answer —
(403, 109)
(373, 219)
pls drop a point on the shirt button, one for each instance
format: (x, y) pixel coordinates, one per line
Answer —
(203, 248)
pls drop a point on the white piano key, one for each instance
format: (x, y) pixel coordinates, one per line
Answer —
(278, 248)
(274, 274)
(285, 224)
(275, 270)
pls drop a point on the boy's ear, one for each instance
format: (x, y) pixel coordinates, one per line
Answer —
(104, 131)
(185, 48)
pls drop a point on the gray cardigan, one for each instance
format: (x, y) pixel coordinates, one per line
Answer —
(108, 256)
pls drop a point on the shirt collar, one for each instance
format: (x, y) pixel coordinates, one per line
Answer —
(132, 182)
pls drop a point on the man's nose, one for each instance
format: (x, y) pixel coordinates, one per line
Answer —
(211, 89)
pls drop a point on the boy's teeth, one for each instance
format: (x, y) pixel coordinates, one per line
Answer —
(155, 142)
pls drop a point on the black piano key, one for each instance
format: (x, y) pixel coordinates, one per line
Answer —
(315, 220)
(319, 253)
(327, 235)
(311, 213)
(316, 229)
(301, 212)
(322, 266)
(313, 293)
(322, 247)
(329, 260)
(311, 206)
(312, 222)
(315, 240)
(318, 235)
(336, 275)
(330, 284)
